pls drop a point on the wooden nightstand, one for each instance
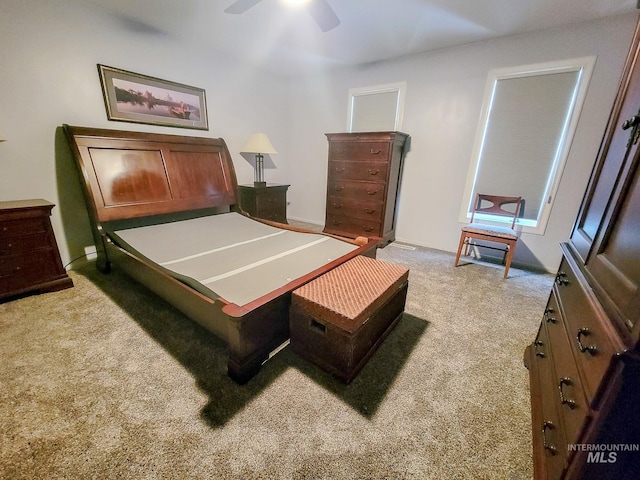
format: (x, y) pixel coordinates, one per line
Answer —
(29, 257)
(268, 202)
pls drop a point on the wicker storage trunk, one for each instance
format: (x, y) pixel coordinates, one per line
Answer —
(338, 320)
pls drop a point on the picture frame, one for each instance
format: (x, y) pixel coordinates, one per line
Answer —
(133, 97)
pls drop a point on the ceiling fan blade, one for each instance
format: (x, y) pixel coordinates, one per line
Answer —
(323, 14)
(241, 6)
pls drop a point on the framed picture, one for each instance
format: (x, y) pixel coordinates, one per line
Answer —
(131, 97)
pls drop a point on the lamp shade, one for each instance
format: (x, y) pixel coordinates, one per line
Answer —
(258, 143)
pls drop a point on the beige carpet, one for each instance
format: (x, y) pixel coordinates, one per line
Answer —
(105, 380)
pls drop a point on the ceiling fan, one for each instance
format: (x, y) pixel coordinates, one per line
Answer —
(320, 10)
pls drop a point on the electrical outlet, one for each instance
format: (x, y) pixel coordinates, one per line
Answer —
(90, 252)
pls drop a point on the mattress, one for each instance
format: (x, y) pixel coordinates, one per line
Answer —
(231, 256)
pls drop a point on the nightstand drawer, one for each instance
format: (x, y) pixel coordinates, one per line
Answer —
(267, 202)
(273, 214)
(27, 226)
(21, 271)
(26, 243)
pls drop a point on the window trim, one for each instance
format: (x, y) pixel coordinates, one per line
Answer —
(583, 65)
(399, 87)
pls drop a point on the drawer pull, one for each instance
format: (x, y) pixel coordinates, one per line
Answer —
(367, 229)
(369, 210)
(372, 192)
(547, 317)
(548, 425)
(373, 172)
(337, 188)
(561, 280)
(592, 349)
(336, 222)
(564, 400)
(375, 152)
(339, 170)
(337, 205)
(536, 344)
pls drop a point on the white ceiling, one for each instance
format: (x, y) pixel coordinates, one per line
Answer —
(288, 41)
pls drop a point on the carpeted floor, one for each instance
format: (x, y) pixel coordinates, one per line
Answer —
(105, 380)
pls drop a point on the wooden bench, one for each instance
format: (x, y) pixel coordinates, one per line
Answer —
(338, 320)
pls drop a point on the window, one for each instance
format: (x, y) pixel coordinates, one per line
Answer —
(527, 123)
(376, 109)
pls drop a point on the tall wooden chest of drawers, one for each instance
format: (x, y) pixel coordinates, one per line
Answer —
(584, 365)
(362, 183)
(29, 256)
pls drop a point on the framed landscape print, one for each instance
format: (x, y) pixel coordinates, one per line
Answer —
(132, 97)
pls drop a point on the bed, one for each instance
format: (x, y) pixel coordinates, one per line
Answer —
(164, 209)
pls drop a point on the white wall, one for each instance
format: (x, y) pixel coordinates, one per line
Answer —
(444, 96)
(48, 77)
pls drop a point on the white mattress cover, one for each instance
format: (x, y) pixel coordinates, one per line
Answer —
(232, 256)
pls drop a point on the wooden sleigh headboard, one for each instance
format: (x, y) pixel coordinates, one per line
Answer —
(134, 174)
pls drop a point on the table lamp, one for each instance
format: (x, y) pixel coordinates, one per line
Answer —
(259, 144)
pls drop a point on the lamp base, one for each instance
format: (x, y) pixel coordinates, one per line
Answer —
(259, 184)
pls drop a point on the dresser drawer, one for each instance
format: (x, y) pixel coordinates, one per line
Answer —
(27, 226)
(340, 224)
(26, 243)
(359, 151)
(589, 341)
(568, 391)
(369, 171)
(362, 209)
(548, 434)
(356, 190)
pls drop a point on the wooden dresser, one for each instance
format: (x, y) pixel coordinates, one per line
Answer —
(584, 365)
(29, 257)
(362, 183)
(267, 202)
